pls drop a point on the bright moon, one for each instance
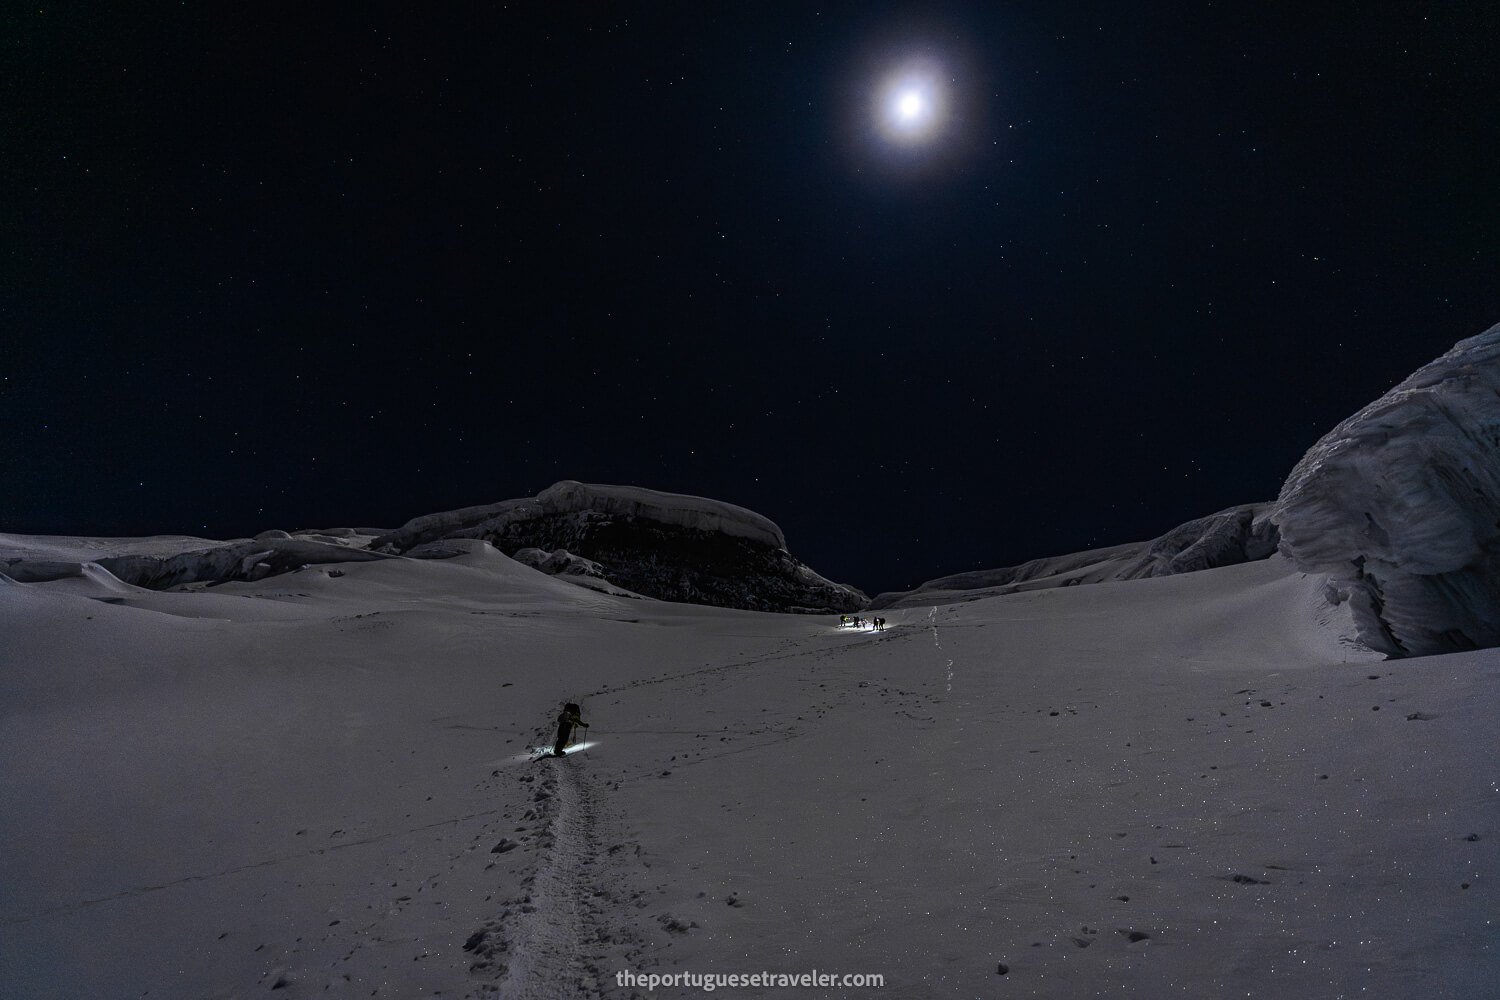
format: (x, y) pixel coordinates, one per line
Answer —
(911, 103)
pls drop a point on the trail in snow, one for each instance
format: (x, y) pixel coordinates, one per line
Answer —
(932, 621)
(572, 927)
(581, 915)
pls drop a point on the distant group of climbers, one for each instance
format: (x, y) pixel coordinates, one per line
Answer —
(850, 621)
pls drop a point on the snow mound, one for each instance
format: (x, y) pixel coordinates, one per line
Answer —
(1232, 536)
(1400, 506)
(83, 579)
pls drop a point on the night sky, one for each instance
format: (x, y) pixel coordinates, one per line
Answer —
(346, 264)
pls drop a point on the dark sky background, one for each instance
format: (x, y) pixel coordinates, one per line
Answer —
(306, 267)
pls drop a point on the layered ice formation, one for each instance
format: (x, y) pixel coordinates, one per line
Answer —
(1400, 506)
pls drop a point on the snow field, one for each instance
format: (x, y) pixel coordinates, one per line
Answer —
(1188, 786)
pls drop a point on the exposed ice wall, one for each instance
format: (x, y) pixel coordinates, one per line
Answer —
(1400, 505)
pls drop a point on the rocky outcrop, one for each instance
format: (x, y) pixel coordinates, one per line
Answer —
(663, 545)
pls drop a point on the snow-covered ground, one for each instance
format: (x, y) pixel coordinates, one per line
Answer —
(317, 784)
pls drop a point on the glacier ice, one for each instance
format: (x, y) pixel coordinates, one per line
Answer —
(1400, 506)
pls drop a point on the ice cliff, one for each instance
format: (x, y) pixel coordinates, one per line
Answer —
(1400, 506)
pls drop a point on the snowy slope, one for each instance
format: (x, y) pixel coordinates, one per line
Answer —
(1236, 535)
(1400, 504)
(1186, 786)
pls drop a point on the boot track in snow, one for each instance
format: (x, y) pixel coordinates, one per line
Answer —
(563, 936)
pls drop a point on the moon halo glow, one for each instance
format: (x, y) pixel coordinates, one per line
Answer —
(911, 103)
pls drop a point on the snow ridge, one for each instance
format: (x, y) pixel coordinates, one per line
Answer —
(1400, 505)
(1230, 537)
